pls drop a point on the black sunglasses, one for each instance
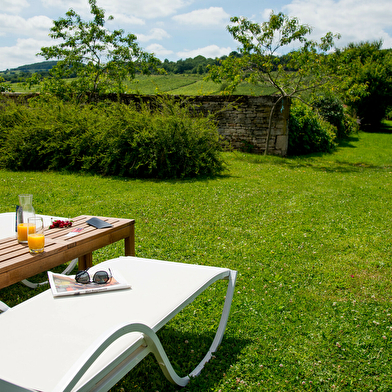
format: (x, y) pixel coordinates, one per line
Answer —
(100, 277)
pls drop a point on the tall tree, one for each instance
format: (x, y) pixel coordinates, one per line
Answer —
(303, 71)
(367, 82)
(101, 60)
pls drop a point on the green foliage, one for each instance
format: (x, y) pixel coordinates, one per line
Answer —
(110, 138)
(196, 65)
(309, 132)
(351, 124)
(101, 59)
(367, 82)
(3, 86)
(333, 111)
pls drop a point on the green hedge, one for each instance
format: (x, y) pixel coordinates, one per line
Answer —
(309, 132)
(109, 138)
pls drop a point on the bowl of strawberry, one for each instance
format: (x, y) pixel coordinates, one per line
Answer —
(60, 224)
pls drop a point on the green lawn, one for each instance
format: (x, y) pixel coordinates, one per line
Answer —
(310, 237)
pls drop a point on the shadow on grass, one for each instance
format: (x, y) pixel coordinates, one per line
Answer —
(347, 142)
(338, 166)
(185, 351)
(385, 127)
(329, 162)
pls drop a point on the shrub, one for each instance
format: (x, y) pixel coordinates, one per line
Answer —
(309, 132)
(110, 138)
(333, 111)
(350, 121)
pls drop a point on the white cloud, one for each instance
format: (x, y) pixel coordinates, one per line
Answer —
(355, 20)
(158, 50)
(24, 52)
(156, 33)
(143, 9)
(210, 51)
(121, 20)
(37, 26)
(129, 11)
(13, 6)
(213, 16)
(267, 13)
(81, 7)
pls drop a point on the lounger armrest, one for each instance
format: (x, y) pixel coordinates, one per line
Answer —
(3, 307)
(152, 343)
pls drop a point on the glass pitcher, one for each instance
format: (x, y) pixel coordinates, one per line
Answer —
(24, 211)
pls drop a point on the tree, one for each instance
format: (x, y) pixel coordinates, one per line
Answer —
(367, 82)
(100, 59)
(302, 72)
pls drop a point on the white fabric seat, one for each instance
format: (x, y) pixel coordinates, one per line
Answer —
(62, 334)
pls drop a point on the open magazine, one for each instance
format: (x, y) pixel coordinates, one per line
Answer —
(66, 285)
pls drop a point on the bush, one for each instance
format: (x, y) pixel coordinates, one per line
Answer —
(350, 121)
(333, 111)
(309, 132)
(109, 138)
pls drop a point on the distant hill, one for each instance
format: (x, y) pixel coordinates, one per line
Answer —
(19, 74)
(36, 67)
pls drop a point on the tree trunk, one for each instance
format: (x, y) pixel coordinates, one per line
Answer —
(270, 123)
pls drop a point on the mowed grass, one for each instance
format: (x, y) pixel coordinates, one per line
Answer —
(311, 240)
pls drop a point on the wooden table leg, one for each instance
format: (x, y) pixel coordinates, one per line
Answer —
(129, 243)
(85, 262)
(129, 246)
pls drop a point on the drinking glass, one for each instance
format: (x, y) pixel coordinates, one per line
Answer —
(35, 234)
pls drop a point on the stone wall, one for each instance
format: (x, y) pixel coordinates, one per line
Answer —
(242, 119)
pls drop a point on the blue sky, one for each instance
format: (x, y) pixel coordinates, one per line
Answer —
(176, 29)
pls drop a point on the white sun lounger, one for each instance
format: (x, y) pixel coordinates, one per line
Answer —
(89, 342)
(7, 229)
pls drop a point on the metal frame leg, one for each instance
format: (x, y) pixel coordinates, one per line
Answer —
(69, 269)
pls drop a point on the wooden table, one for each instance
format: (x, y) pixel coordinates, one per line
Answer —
(16, 262)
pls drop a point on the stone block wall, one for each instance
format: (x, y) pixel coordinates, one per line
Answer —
(243, 121)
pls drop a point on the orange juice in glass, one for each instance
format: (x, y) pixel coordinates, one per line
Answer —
(22, 232)
(35, 235)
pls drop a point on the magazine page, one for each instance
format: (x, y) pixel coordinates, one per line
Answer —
(66, 284)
